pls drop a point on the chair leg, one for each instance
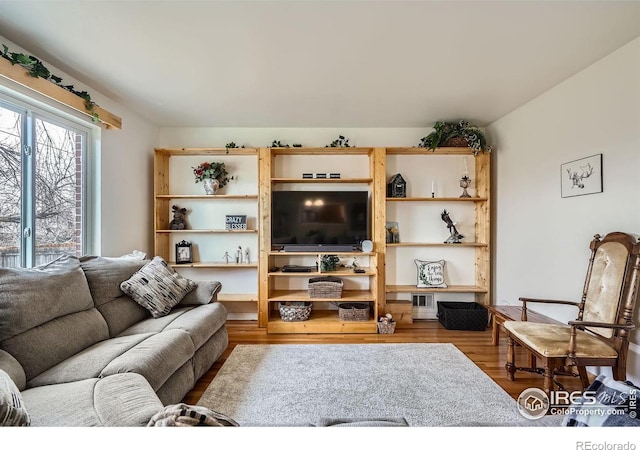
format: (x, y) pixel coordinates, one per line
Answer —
(532, 360)
(549, 368)
(582, 371)
(620, 370)
(510, 366)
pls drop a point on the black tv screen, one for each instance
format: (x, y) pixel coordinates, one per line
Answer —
(319, 218)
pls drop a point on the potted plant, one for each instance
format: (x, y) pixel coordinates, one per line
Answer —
(213, 175)
(460, 134)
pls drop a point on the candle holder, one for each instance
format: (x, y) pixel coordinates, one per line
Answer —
(465, 182)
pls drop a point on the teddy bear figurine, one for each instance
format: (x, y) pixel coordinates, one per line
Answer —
(179, 218)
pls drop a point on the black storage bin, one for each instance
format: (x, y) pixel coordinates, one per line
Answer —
(463, 316)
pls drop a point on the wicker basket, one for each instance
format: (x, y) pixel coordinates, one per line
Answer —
(353, 312)
(386, 327)
(455, 142)
(325, 287)
(295, 311)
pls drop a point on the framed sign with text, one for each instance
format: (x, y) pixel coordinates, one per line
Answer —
(235, 222)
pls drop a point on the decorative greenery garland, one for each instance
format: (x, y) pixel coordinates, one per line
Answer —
(37, 70)
(443, 131)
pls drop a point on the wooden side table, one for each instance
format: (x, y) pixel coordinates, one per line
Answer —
(501, 313)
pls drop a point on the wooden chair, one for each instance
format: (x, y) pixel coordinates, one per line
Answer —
(600, 335)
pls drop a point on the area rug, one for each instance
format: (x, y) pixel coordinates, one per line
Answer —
(292, 385)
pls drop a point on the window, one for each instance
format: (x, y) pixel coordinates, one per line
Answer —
(43, 198)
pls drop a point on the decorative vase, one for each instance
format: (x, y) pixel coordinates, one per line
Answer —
(211, 186)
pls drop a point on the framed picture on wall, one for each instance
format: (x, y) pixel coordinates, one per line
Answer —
(581, 177)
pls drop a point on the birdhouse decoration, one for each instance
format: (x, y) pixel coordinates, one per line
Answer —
(397, 187)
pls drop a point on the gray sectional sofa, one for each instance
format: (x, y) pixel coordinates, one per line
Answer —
(83, 353)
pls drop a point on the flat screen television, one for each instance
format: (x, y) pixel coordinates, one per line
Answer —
(338, 220)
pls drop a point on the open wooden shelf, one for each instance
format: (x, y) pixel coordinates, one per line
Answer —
(203, 151)
(320, 150)
(356, 254)
(426, 151)
(436, 199)
(215, 264)
(303, 296)
(334, 273)
(322, 180)
(237, 297)
(209, 197)
(435, 244)
(409, 288)
(20, 75)
(206, 231)
(322, 321)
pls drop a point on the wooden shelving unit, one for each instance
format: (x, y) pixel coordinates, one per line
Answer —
(372, 175)
(164, 197)
(324, 317)
(480, 245)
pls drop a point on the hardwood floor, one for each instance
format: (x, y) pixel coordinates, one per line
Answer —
(475, 344)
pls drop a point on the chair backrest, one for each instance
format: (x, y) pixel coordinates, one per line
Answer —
(611, 287)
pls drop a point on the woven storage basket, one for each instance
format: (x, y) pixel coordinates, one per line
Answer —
(386, 328)
(295, 312)
(455, 142)
(325, 287)
(357, 312)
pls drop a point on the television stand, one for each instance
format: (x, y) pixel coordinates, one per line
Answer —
(318, 248)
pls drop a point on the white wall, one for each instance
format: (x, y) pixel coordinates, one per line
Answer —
(127, 184)
(126, 166)
(542, 239)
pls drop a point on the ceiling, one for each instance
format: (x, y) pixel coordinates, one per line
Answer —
(319, 63)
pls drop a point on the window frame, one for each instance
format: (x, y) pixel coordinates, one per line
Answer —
(90, 211)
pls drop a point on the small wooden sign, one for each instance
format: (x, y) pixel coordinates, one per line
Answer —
(235, 222)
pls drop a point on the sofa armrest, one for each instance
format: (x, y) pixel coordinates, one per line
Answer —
(14, 369)
(204, 292)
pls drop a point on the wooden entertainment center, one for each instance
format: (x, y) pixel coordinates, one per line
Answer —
(363, 169)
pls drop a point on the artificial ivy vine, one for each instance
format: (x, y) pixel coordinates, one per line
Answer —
(36, 69)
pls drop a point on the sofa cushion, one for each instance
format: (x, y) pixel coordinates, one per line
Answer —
(42, 347)
(156, 358)
(157, 287)
(31, 297)
(12, 410)
(89, 363)
(199, 323)
(104, 276)
(121, 400)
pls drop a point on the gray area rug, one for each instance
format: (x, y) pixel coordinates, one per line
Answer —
(427, 384)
